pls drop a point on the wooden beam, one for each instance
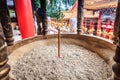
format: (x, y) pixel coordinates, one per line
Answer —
(101, 5)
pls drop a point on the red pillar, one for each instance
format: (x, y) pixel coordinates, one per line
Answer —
(83, 26)
(91, 26)
(107, 29)
(25, 18)
(99, 24)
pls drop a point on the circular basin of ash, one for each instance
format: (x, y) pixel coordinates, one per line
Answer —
(76, 63)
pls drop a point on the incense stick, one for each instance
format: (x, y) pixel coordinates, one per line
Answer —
(58, 43)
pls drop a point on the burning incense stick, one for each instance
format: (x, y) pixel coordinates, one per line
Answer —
(58, 42)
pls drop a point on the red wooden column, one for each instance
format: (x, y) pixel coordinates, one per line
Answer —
(107, 29)
(25, 17)
(99, 25)
(91, 27)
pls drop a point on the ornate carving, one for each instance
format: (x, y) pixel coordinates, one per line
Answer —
(5, 33)
(4, 67)
(79, 15)
(7, 30)
(6, 22)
